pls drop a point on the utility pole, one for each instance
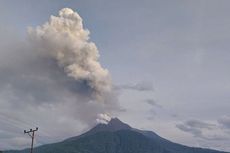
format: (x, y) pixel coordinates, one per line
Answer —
(32, 136)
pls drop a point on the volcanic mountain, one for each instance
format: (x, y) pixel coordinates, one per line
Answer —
(116, 137)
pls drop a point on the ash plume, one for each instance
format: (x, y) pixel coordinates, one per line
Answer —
(57, 73)
(103, 118)
(64, 39)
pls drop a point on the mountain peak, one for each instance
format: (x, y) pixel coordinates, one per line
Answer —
(113, 125)
(115, 119)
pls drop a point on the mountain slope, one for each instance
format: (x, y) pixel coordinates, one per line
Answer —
(114, 125)
(116, 137)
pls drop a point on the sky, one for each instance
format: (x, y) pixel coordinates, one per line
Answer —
(162, 66)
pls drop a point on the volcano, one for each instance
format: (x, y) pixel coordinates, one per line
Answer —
(116, 137)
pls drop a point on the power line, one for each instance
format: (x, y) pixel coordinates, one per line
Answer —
(32, 136)
(12, 124)
(18, 123)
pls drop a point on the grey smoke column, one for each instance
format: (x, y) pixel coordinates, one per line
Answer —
(64, 39)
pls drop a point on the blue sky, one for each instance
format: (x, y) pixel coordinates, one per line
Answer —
(181, 48)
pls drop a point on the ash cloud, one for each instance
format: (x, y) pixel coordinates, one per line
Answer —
(64, 40)
(53, 78)
(103, 118)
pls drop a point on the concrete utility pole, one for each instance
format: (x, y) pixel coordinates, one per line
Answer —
(32, 136)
